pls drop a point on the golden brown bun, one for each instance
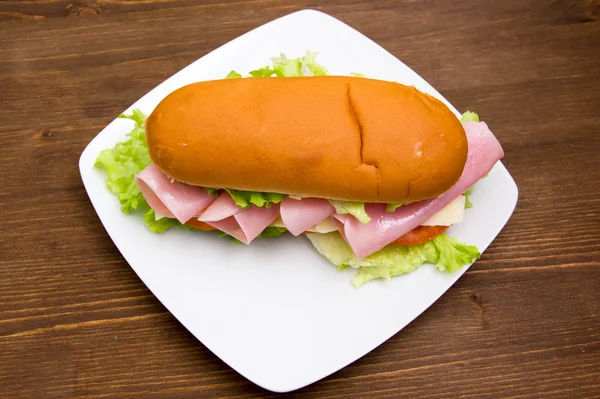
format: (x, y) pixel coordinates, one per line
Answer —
(334, 137)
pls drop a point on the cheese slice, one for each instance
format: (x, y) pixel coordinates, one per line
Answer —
(326, 226)
(451, 214)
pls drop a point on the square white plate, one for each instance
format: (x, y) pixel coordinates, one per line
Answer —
(276, 311)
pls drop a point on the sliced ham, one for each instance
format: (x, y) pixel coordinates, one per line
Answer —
(231, 227)
(385, 227)
(299, 215)
(223, 207)
(248, 224)
(170, 198)
(173, 199)
(255, 219)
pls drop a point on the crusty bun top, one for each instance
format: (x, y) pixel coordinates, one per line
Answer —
(334, 137)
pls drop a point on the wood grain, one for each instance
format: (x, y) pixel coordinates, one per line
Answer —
(75, 321)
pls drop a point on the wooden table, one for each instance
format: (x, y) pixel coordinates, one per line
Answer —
(523, 322)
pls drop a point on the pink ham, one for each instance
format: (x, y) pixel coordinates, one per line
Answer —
(171, 198)
(231, 227)
(223, 207)
(385, 227)
(300, 215)
(247, 225)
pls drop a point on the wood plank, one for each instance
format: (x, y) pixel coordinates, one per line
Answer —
(75, 321)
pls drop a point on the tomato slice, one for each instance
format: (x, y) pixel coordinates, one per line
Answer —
(195, 223)
(420, 234)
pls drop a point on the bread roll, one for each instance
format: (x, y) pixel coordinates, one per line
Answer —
(334, 137)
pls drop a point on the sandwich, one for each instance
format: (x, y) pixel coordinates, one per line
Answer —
(372, 172)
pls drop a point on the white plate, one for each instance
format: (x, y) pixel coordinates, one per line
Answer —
(276, 311)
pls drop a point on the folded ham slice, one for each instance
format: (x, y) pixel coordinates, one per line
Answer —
(171, 198)
(385, 227)
(223, 207)
(299, 215)
(248, 224)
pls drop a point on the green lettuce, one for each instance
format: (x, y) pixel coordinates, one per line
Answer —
(273, 232)
(310, 67)
(262, 72)
(125, 160)
(469, 117)
(447, 254)
(453, 254)
(212, 191)
(161, 225)
(245, 199)
(284, 67)
(268, 232)
(391, 207)
(233, 75)
(356, 209)
(468, 203)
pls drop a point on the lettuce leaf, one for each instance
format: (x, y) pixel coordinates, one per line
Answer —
(161, 225)
(284, 67)
(448, 254)
(391, 261)
(356, 209)
(262, 72)
(469, 117)
(233, 75)
(300, 66)
(468, 203)
(245, 199)
(453, 254)
(310, 67)
(221, 234)
(268, 232)
(272, 232)
(125, 160)
(212, 191)
(391, 207)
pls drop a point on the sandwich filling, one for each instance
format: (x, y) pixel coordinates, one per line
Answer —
(364, 235)
(381, 240)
